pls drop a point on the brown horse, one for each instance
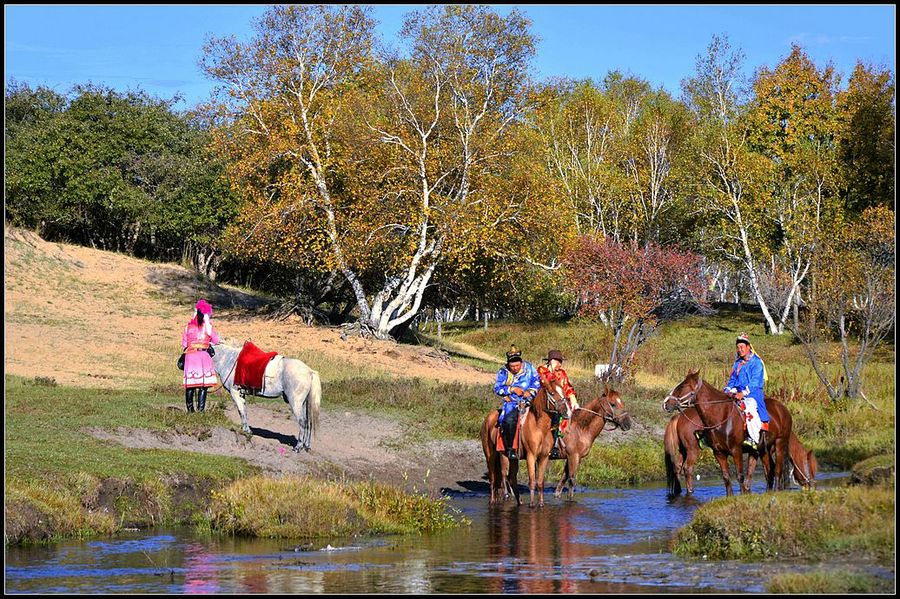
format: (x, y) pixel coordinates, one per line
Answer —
(501, 470)
(682, 451)
(803, 463)
(586, 423)
(536, 438)
(723, 422)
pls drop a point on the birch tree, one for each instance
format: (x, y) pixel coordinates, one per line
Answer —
(733, 177)
(368, 164)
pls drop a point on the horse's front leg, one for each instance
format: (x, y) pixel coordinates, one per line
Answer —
(726, 476)
(688, 467)
(531, 477)
(748, 477)
(541, 471)
(563, 480)
(780, 451)
(241, 406)
(574, 461)
(737, 455)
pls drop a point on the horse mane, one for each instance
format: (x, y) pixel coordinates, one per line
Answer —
(539, 403)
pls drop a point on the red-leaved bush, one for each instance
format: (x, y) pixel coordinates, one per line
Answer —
(627, 283)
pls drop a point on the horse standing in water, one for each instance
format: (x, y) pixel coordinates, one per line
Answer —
(682, 450)
(502, 472)
(292, 380)
(724, 424)
(536, 437)
(586, 424)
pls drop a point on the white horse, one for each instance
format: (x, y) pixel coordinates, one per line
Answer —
(290, 379)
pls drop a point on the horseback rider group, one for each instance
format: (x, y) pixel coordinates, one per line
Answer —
(518, 382)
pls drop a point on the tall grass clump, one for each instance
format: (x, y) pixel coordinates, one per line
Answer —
(835, 582)
(300, 507)
(800, 524)
(39, 513)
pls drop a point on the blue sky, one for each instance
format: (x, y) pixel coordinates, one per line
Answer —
(157, 47)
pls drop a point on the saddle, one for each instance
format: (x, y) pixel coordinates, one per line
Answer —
(251, 367)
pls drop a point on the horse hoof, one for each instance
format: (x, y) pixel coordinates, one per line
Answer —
(296, 449)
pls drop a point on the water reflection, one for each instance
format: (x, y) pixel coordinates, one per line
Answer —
(201, 572)
(613, 540)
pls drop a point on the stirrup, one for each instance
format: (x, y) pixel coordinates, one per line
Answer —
(748, 442)
(699, 436)
(511, 454)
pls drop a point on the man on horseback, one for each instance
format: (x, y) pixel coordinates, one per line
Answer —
(517, 381)
(552, 376)
(748, 377)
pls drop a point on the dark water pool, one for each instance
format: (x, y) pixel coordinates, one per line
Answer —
(611, 540)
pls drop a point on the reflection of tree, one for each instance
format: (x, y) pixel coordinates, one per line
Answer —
(201, 574)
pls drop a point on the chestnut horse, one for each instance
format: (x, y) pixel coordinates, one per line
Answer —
(682, 451)
(803, 464)
(501, 470)
(586, 424)
(724, 424)
(536, 437)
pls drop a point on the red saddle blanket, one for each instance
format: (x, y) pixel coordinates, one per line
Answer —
(251, 365)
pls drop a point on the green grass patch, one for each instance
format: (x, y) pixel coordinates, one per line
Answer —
(793, 524)
(298, 507)
(831, 581)
(46, 434)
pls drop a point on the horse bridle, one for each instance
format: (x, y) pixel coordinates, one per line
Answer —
(685, 402)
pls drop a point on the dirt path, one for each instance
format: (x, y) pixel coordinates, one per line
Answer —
(352, 445)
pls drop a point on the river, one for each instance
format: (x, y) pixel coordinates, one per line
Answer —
(608, 540)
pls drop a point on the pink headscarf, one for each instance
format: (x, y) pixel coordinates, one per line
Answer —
(204, 307)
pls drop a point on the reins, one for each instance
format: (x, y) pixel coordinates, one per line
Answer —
(222, 384)
(682, 402)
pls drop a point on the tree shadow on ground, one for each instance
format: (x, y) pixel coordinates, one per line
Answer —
(184, 287)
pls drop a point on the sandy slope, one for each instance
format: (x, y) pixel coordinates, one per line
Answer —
(94, 319)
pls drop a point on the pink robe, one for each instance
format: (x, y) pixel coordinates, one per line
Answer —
(198, 366)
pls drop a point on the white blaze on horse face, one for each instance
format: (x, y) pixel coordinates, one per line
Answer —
(559, 391)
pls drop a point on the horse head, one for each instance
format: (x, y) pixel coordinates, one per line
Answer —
(614, 410)
(684, 395)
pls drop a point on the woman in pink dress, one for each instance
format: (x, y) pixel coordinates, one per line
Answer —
(199, 372)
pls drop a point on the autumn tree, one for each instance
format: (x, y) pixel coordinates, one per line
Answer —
(867, 120)
(376, 166)
(792, 124)
(633, 287)
(852, 298)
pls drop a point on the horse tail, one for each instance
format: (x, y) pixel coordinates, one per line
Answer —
(671, 447)
(313, 399)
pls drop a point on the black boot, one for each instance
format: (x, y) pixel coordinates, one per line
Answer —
(201, 399)
(189, 398)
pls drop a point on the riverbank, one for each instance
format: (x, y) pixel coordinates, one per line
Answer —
(98, 440)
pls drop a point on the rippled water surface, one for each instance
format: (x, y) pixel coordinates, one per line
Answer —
(612, 540)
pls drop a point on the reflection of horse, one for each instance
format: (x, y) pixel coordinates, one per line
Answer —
(682, 451)
(586, 423)
(293, 380)
(536, 552)
(502, 472)
(723, 421)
